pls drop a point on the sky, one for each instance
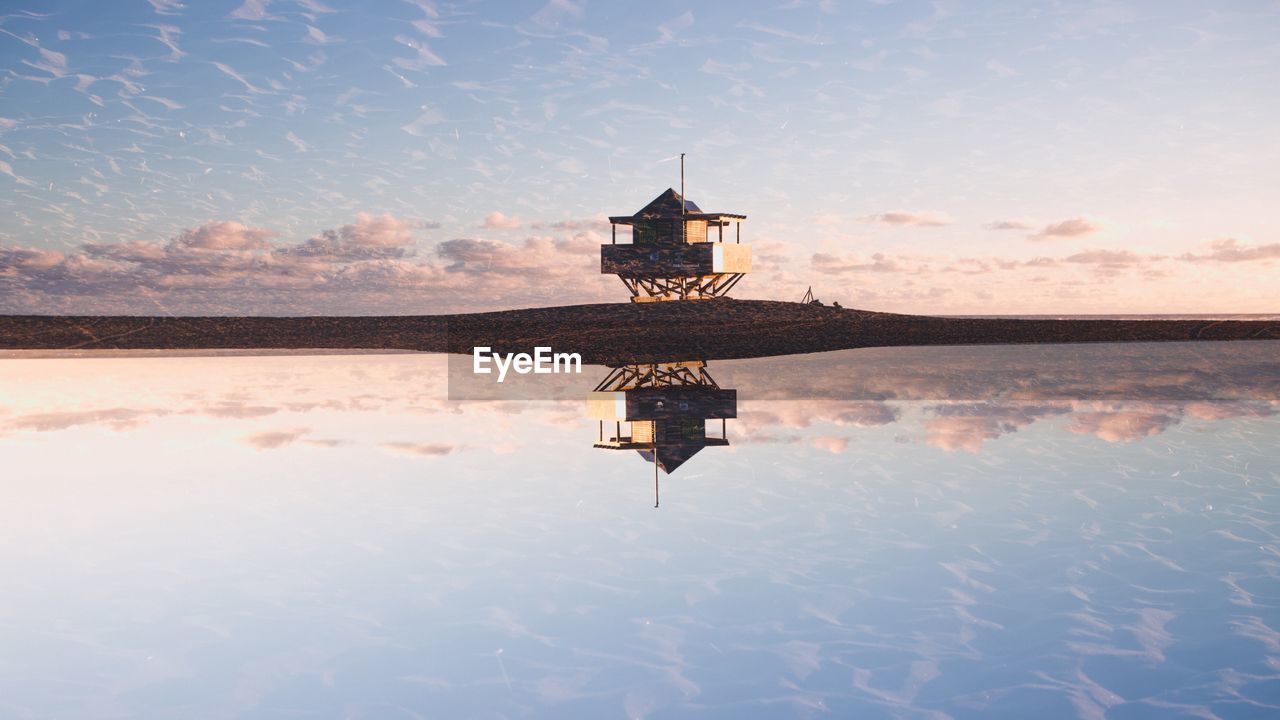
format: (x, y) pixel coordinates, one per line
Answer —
(283, 157)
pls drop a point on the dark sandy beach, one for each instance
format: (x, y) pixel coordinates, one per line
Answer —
(607, 332)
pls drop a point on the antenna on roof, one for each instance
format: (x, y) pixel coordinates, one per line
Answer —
(681, 184)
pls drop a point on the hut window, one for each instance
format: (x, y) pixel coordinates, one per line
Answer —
(643, 234)
(695, 231)
(642, 431)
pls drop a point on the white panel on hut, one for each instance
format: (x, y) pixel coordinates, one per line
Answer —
(607, 405)
(727, 258)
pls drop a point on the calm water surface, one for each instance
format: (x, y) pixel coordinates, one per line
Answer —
(895, 533)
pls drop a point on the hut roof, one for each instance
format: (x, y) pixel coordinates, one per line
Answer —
(671, 457)
(667, 206)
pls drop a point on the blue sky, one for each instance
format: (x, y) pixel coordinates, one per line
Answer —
(927, 157)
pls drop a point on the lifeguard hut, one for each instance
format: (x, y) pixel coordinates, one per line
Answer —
(661, 410)
(677, 251)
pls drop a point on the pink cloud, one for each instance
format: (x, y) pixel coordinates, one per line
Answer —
(371, 266)
(1123, 425)
(274, 439)
(911, 218)
(1225, 410)
(436, 449)
(981, 266)
(768, 417)
(369, 237)
(1008, 225)
(225, 235)
(960, 433)
(1074, 227)
(117, 418)
(840, 264)
(598, 224)
(534, 254)
(1113, 258)
(15, 260)
(1230, 250)
(968, 426)
(497, 221)
(832, 444)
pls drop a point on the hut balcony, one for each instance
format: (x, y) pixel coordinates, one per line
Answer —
(646, 434)
(663, 403)
(680, 260)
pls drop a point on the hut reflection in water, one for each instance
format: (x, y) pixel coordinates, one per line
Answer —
(661, 410)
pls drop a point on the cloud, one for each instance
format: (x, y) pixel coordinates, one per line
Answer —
(1074, 227)
(910, 218)
(423, 58)
(960, 433)
(167, 7)
(1230, 250)
(224, 235)
(832, 444)
(1041, 262)
(425, 119)
(273, 439)
(1229, 409)
(252, 10)
(667, 31)
(118, 418)
(238, 410)
(1008, 225)
(1000, 68)
(16, 260)
(599, 224)
(497, 221)
(867, 414)
(371, 266)
(231, 73)
(764, 418)
(317, 36)
(297, 142)
(471, 256)
(1102, 259)
(1111, 258)
(967, 426)
(428, 449)
(838, 264)
(368, 238)
(981, 266)
(1125, 425)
